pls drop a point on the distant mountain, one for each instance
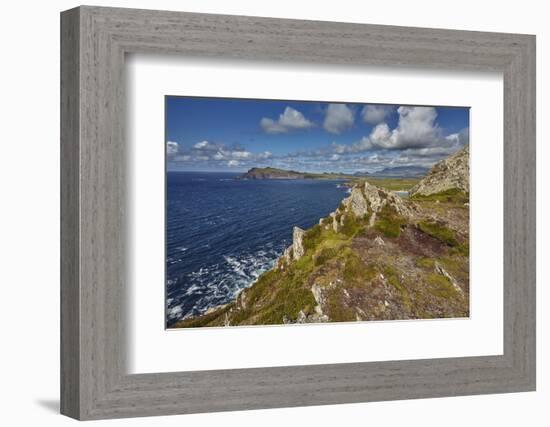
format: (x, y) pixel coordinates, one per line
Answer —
(401, 172)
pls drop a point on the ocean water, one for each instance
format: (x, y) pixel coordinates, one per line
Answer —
(222, 233)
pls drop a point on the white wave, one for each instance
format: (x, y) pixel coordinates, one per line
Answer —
(175, 312)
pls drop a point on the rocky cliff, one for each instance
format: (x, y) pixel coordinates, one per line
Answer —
(452, 173)
(376, 257)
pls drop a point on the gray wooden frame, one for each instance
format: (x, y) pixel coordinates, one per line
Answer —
(94, 41)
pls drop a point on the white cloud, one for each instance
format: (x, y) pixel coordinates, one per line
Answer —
(363, 144)
(416, 128)
(205, 145)
(217, 153)
(338, 118)
(290, 119)
(172, 148)
(459, 138)
(374, 114)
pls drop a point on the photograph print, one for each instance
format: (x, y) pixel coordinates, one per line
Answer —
(283, 212)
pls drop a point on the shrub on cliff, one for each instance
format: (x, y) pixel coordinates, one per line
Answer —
(389, 222)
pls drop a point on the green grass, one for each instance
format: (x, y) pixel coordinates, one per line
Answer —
(393, 279)
(351, 226)
(281, 293)
(389, 222)
(440, 286)
(337, 308)
(394, 184)
(326, 220)
(288, 301)
(453, 195)
(355, 270)
(325, 255)
(312, 237)
(439, 232)
(425, 262)
(211, 319)
(462, 249)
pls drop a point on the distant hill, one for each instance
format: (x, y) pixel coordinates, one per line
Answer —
(274, 173)
(401, 172)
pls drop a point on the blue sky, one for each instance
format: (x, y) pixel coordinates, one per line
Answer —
(219, 134)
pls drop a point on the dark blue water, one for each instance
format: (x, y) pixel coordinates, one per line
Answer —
(222, 233)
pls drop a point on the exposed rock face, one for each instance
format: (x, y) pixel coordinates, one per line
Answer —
(297, 243)
(357, 202)
(335, 223)
(452, 172)
(369, 200)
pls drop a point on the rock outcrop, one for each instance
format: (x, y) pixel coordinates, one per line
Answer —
(297, 243)
(368, 200)
(450, 173)
(357, 202)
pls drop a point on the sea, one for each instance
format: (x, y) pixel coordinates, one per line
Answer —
(222, 233)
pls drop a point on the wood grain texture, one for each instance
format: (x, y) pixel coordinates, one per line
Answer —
(95, 383)
(70, 297)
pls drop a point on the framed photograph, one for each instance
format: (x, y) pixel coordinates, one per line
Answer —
(284, 212)
(261, 213)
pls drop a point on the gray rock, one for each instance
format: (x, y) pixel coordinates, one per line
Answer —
(379, 241)
(298, 243)
(374, 195)
(317, 294)
(242, 299)
(335, 225)
(357, 203)
(449, 173)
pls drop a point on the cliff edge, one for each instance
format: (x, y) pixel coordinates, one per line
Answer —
(376, 257)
